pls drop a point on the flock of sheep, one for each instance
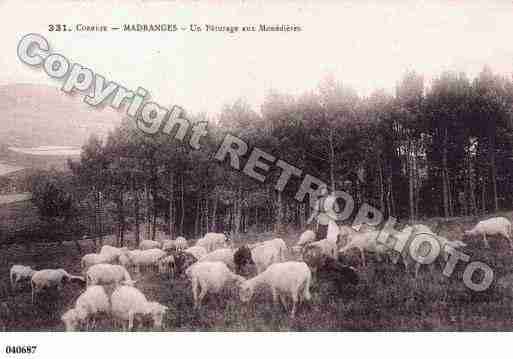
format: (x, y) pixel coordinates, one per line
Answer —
(213, 264)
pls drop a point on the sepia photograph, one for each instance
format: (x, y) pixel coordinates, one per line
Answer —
(239, 166)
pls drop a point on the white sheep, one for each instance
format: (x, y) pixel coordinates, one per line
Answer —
(50, 278)
(104, 273)
(20, 273)
(210, 277)
(284, 279)
(422, 233)
(305, 238)
(497, 226)
(197, 251)
(145, 258)
(224, 255)
(149, 244)
(328, 246)
(278, 243)
(124, 259)
(90, 303)
(365, 242)
(266, 254)
(91, 259)
(345, 230)
(344, 233)
(212, 241)
(112, 253)
(129, 304)
(168, 245)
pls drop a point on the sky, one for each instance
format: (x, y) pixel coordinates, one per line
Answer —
(366, 45)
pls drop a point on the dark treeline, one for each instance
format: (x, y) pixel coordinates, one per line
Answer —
(443, 150)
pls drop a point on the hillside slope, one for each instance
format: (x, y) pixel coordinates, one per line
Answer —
(39, 115)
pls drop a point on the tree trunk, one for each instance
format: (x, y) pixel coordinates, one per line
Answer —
(279, 213)
(204, 215)
(197, 219)
(332, 160)
(137, 221)
(445, 185)
(238, 211)
(483, 195)
(381, 185)
(213, 223)
(255, 220)
(147, 214)
(493, 169)
(417, 182)
(121, 219)
(411, 182)
(471, 185)
(100, 213)
(182, 217)
(171, 223)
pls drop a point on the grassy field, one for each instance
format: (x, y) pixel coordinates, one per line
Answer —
(385, 299)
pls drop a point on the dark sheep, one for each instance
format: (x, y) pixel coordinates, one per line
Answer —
(183, 260)
(241, 258)
(331, 270)
(312, 256)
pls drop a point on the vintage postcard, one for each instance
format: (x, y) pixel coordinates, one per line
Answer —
(255, 166)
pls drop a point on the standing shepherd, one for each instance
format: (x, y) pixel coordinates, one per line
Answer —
(324, 214)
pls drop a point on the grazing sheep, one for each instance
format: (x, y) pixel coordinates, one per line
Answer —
(224, 255)
(129, 304)
(197, 251)
(364, 227)
(167, 264)
(312, 256)
(183, 260)
(266, 254)
(148, 244)
(331, 270)
(210, 277)
(344, 233)
(112, 253)
(213, 241)
(124, 260)
(305, 238)
(422, 233)
(346, 230)
(91, 259)
(327, 246)
(51, 278)
(93, 301)
(497, 226)
(242, 258)
(280, 245)
(105, 274)
(284, 279)
(19, 274)
(365, 242)
(145, 258)
(444, 243)
(168, 245)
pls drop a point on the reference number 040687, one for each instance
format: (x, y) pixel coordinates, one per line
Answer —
(20, 349)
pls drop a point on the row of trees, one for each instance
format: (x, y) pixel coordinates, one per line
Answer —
(442, 150)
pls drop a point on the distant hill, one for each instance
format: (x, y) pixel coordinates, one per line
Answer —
(39, 115)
